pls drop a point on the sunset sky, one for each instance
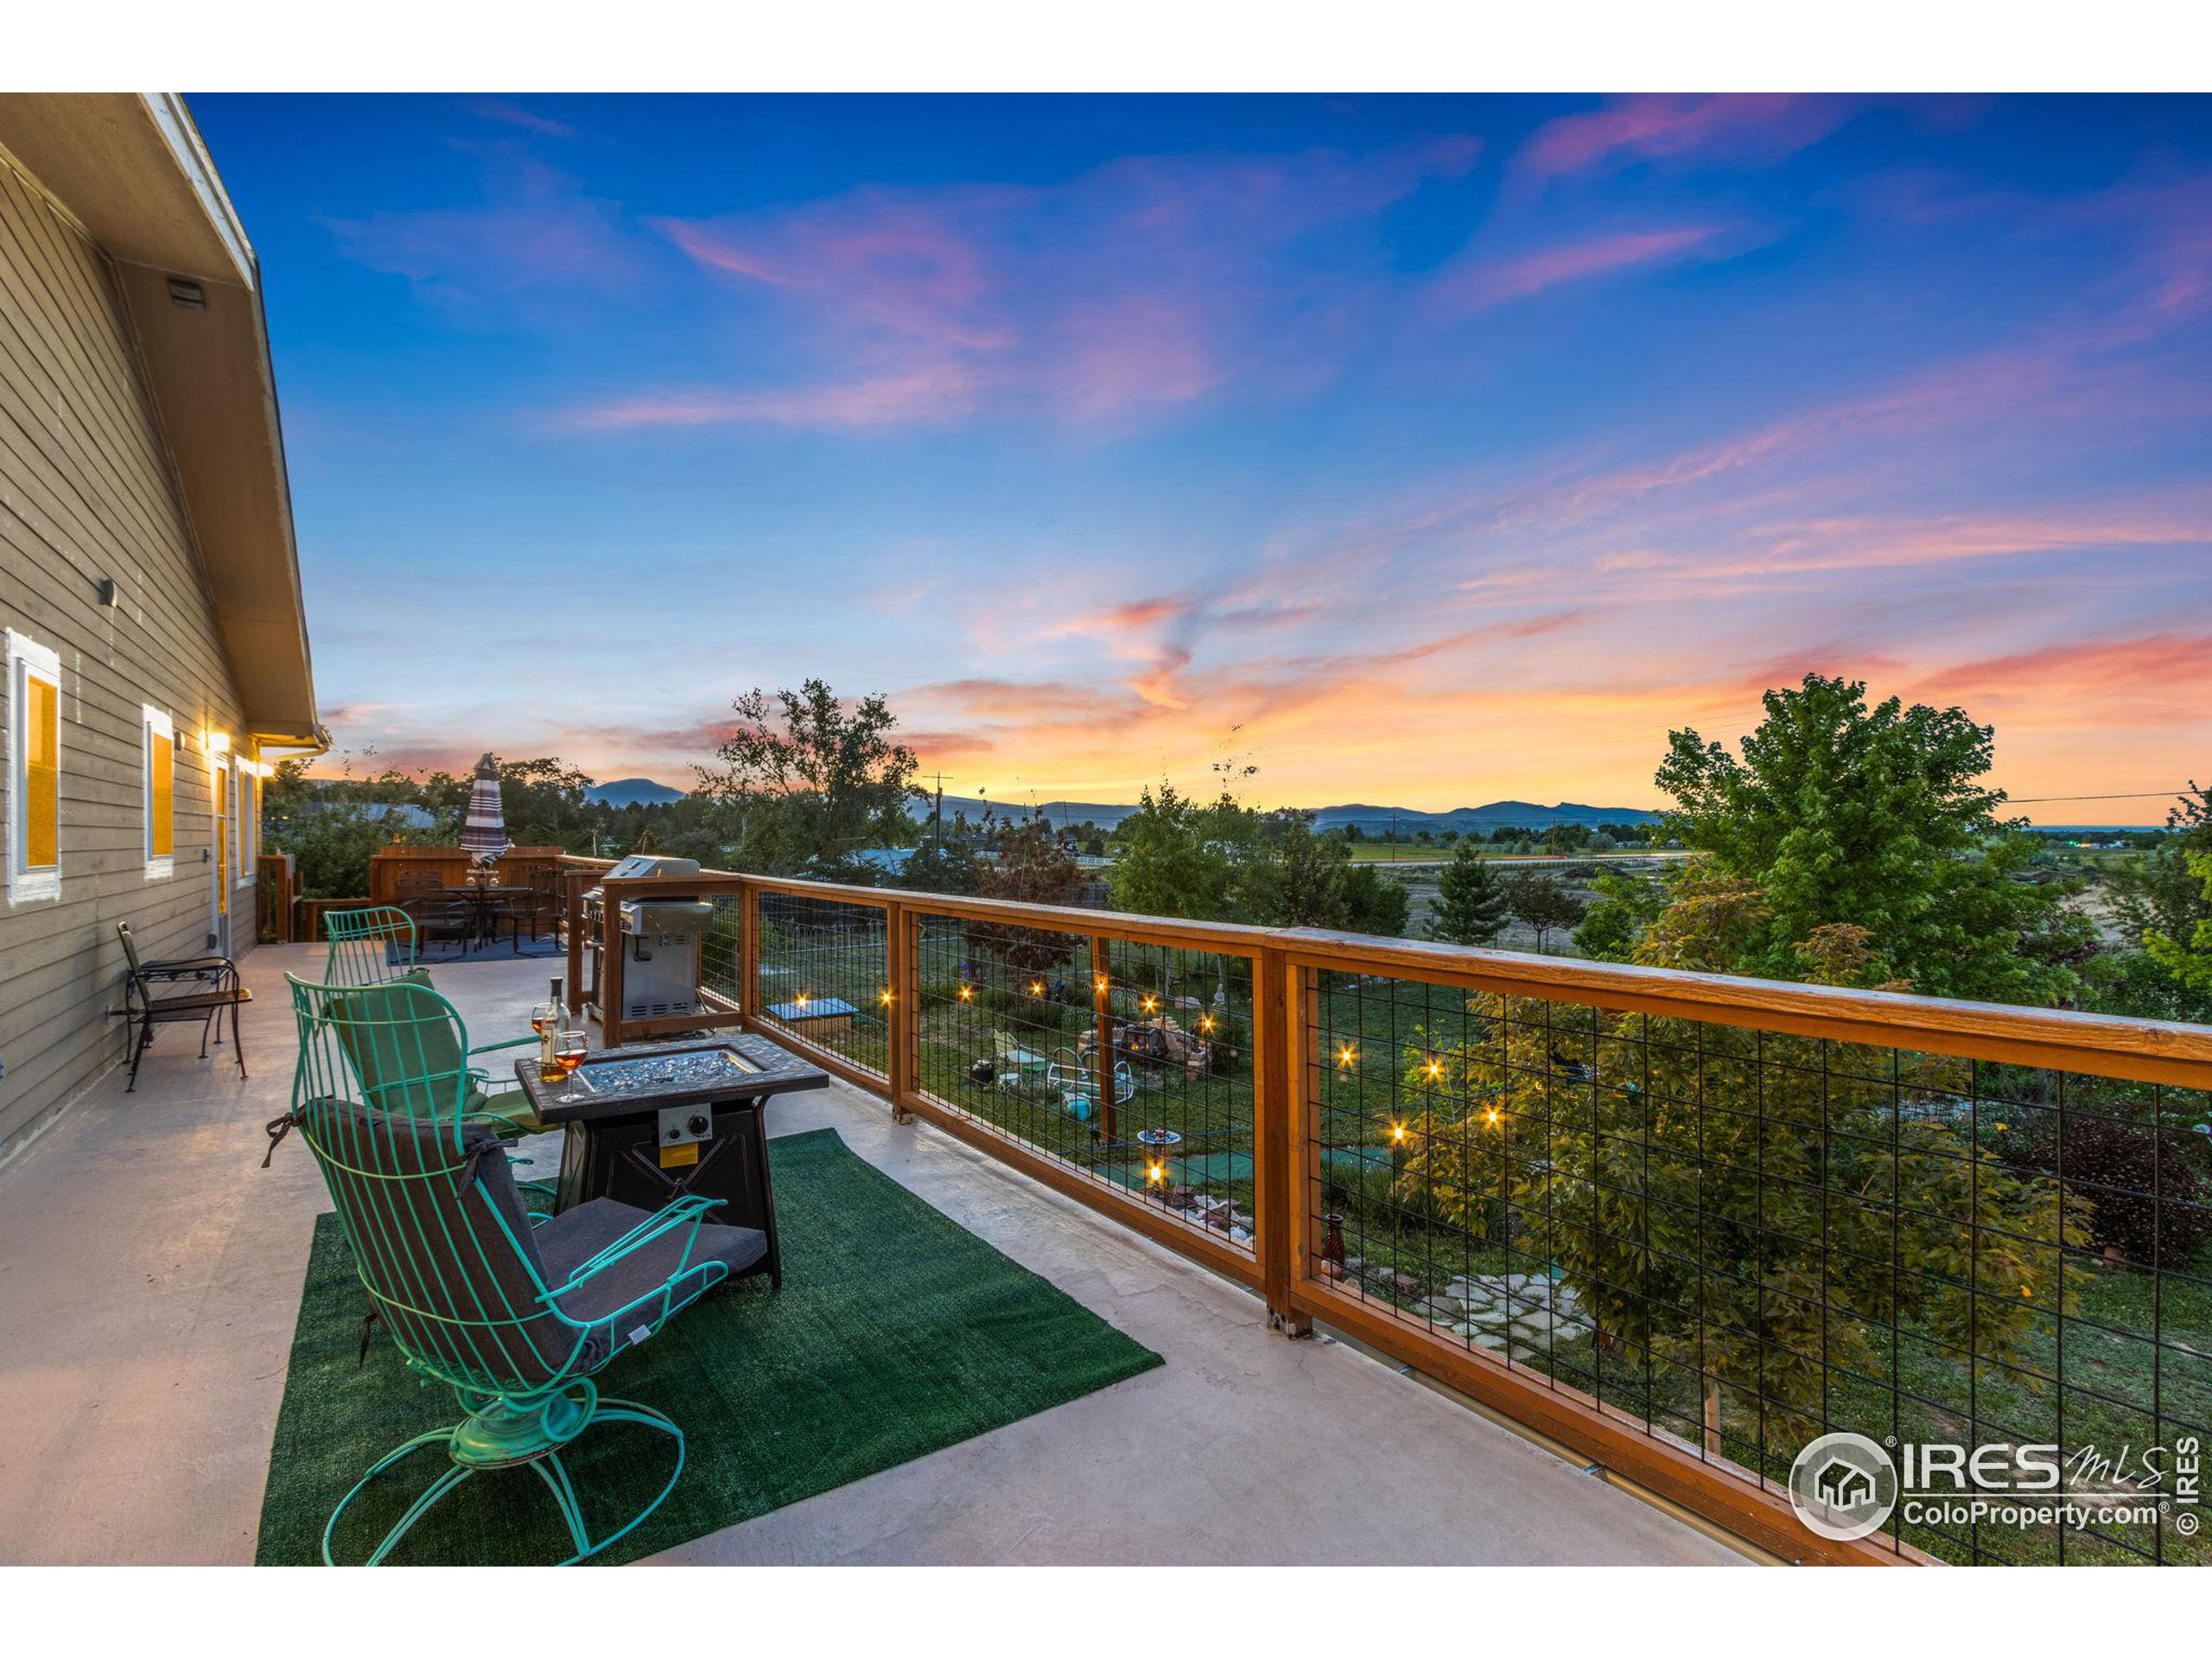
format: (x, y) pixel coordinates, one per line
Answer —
(1419, 451)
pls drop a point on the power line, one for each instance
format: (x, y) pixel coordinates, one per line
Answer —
(2140, 795)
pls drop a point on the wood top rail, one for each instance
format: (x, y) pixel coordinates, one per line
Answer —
(2146, 1051)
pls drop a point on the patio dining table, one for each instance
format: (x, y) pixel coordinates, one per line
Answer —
(483, 900)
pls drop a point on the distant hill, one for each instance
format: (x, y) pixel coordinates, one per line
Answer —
(632, 791)
(1371, 820)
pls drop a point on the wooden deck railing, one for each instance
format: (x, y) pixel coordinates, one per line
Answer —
(1677, 1222)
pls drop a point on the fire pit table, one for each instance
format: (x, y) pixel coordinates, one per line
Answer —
(649, 1122)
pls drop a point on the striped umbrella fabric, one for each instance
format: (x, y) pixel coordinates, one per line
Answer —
(484, 835)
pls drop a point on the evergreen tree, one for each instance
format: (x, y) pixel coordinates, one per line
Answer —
(1470, 907)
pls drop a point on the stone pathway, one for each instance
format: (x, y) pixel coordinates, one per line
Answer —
(1514, 1314)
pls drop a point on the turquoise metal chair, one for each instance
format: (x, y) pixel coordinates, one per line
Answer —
(376, 946)
(368, 946)
(516, 1316)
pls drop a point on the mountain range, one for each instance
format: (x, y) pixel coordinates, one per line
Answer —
(632, 791)
(1371, 820)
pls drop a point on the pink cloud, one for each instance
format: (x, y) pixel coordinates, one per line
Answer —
(922, 397)
(1142, 287)
(1496, 282)
(539, 232)
(1675, 127)
(511, 114)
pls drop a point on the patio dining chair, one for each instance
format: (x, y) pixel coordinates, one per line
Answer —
(516, 1316)
(152, 996)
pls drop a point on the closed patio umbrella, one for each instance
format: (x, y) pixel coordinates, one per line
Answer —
(484, 833)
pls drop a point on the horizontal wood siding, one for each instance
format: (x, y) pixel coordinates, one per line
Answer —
(87, 493)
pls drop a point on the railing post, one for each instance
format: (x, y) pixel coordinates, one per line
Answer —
(610, 967)
(901, 948)
(1282, 1149)
(748, 950)
(572, 883)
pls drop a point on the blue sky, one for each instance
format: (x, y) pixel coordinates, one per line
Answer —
(1427, 451)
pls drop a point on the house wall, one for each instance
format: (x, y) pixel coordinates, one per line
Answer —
(87, 493)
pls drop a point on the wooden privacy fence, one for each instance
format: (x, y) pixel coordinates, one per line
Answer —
(1679, 1223)
(451, 867)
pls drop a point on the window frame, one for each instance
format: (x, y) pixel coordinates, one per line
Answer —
(249, 823)
(157, 723)
(29, 660)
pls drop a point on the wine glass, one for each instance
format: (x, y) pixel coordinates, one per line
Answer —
(568, 1050)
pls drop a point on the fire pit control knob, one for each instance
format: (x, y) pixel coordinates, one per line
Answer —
(698, 1123)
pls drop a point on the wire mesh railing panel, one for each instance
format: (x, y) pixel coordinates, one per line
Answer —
(1130, 1062)
(722, 951)
(1745, 1239)
(825, 976)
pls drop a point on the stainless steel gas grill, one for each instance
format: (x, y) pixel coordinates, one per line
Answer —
(660, 939)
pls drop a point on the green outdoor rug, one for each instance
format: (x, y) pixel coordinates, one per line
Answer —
(896, 1332)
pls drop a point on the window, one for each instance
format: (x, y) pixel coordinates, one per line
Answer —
(34, 771)
(161, 793)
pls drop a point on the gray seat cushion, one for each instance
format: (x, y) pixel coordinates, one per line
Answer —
(572, 1238)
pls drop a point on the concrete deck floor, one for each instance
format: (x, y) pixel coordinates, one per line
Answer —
(151, 1273)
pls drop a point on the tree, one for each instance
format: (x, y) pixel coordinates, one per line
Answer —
(1878, 817)
(1624, 906)
(2190, 960)
(1032, 865)
(940, 865)
(1291, 877)
(810, 780)
(1541, 902)
(1373, 901)
(1686, 1181)
(333, 827)
(1470, 904)
(1172, 860)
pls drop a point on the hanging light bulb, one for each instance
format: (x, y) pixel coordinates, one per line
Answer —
(802, 999)
(1397, 1134)
(1492, 1118)
(967, 993)
(1036, 988)
(1150, 1004)
(885, 999)
(1347, 1056)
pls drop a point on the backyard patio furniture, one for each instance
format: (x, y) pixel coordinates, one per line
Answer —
(409, 1049)
(516, 1318)
(442, 913)
(368, 946)
(533, 910)
(151, 997)
(651, 1121)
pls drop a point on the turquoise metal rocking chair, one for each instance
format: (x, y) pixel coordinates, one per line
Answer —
(376, 946)
(516, 1317)
(368, 946)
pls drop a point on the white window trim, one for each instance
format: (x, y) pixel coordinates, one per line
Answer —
(26, 658)
(249, 788)
(155, 722)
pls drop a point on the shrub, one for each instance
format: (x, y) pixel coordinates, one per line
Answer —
(2144, 1191)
